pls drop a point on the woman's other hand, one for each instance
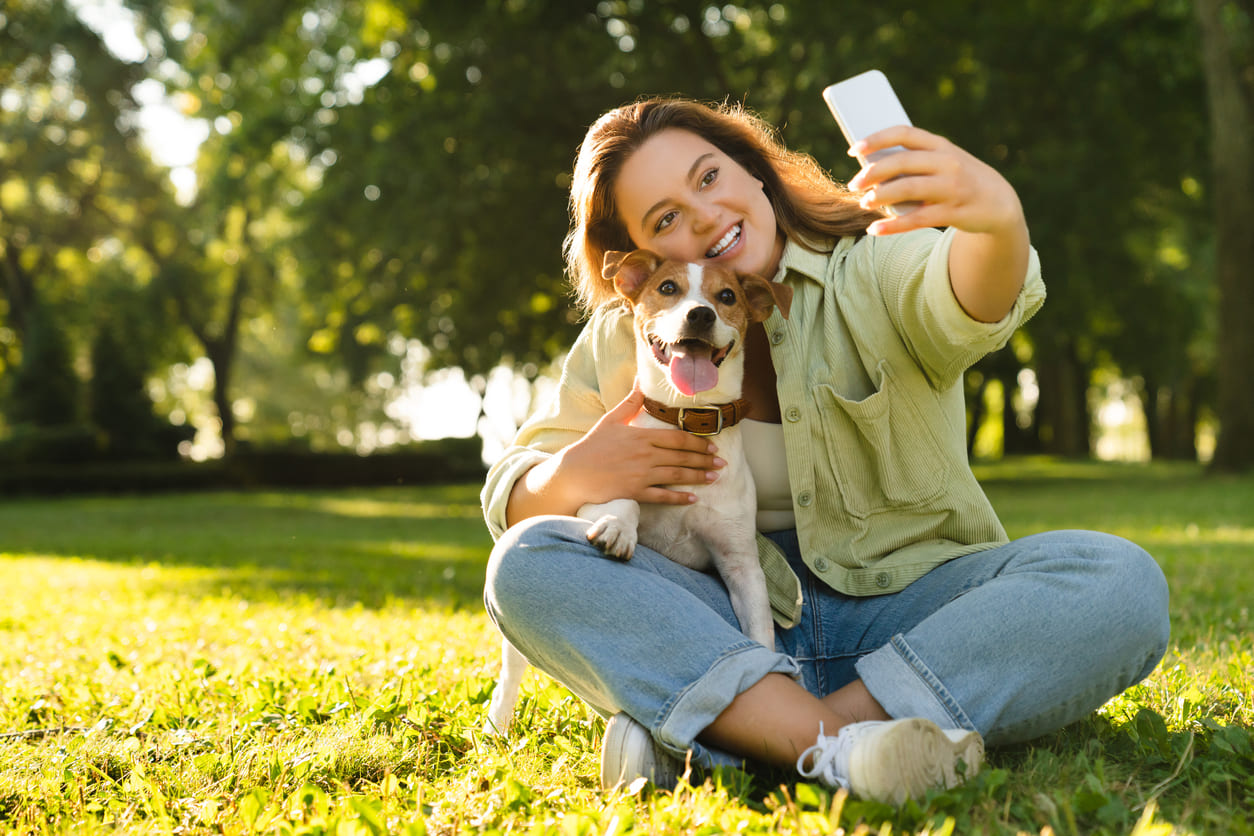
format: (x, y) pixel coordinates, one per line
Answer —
(615, 460)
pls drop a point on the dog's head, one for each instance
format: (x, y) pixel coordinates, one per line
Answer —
(692, 318)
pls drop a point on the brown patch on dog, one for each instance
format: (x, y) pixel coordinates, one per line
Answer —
(629, 271)
(632, 272)
(763, 295)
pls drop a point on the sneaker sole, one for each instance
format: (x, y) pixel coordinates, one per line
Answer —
(910, 757)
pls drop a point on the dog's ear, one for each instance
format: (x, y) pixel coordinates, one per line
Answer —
(763, 295)
(629, 271)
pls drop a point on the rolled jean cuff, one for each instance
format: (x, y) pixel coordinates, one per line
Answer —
(697, 706)
(906, 687)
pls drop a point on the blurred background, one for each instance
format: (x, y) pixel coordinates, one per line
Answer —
(332, 228)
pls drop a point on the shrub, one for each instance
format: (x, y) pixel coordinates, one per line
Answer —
(45, 390)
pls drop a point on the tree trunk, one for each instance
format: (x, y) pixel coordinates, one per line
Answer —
(1017, 440)
(975, 413)
(1172, 411)
(1184, 417)
(1230, 91)
(221, 355)
(1156, 429)
(1062, 412)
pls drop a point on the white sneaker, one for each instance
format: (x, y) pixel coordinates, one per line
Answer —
(629, 752)
(893, 760)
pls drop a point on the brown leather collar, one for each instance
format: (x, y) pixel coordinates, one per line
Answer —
(699, 420)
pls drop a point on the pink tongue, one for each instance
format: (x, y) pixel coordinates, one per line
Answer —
(692, 371)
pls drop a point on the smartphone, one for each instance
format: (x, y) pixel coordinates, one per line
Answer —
(863, 105)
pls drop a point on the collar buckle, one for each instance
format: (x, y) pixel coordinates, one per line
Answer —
(683, 411)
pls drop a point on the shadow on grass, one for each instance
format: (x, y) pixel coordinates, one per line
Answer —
(426, 545)
(429, 544)
(1104, 772)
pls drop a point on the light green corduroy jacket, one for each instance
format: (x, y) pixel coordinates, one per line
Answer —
(869, 367)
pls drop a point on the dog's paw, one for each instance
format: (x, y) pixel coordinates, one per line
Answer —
(613, 537)
(495, 726)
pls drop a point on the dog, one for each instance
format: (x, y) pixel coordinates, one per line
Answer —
(690, 324)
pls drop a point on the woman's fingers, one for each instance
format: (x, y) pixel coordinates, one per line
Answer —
(906, 136)
(678, 458)
(617, 460)
(666, 496)
(955, 188)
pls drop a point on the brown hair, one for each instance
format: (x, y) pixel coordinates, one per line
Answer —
(810, 207)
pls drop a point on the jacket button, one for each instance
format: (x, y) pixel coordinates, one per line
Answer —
(820, 565)
(805, 498)
(883, 579)
(777, 337)
(793, 414)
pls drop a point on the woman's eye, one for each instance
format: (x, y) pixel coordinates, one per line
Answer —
(709, 177)
(664, 221)
(727, 297)
(668, 288)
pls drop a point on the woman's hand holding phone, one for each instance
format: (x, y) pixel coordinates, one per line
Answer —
(942, 185)
(950, 186)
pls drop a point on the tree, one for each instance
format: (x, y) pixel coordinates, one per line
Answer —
(75, 186)
(1228, 57)
(221, 261)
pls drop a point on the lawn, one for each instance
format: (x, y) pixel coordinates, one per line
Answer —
(319, 662)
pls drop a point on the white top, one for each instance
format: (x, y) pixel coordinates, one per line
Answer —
(764, 449)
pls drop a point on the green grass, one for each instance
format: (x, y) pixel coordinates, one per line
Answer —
(319, 662)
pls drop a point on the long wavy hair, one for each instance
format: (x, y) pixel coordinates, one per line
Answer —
(810, 207)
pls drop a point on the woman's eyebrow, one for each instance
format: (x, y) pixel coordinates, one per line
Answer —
(692, 172)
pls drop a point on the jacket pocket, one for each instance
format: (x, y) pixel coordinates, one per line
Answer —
(883, 449)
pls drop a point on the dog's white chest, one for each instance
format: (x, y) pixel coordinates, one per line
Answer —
(718, 523)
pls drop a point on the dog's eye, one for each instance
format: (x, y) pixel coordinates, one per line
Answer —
(727, 297)
(668, 288)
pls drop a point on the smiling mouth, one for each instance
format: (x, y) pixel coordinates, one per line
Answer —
(691, 364)
(665, 353)
(726, 242)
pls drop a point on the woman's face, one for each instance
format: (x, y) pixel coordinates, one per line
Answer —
(683, 198)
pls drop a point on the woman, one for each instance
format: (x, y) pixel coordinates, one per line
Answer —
(913, 630)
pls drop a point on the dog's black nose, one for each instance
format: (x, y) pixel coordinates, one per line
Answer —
(701, 316)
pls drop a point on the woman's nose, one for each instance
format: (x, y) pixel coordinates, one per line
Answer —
(704, 217)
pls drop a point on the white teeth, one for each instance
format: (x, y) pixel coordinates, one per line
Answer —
(661, 350)
(724, 242)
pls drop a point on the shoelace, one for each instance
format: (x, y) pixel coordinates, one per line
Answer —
(827, 752)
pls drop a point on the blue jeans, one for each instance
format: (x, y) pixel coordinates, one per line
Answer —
(1013, 642)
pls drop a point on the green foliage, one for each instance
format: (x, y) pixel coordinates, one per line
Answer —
(382, 170)
(74, 180)
(317, 662)
(440, 187)
(77, 191)
(44, 403)
(60, 444)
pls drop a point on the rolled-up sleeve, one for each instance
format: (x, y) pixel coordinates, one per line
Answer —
(500, 483)
(943, 338)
